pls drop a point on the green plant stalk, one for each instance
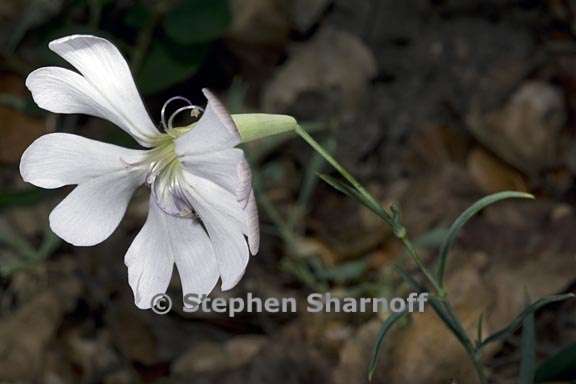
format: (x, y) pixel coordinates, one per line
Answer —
(447, 315)
(318, 148)
(399, 231)
(420, 263)
(460, 333)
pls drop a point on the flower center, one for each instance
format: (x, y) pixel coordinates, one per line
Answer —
(166, 180)
(165, 175)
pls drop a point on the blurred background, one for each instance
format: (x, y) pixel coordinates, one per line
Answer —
(430, 103)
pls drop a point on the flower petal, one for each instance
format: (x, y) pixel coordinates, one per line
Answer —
(59, 159)
(93, 210)
(108, 85)
(219, 167)
(214, 131)
(226, 223)
(245, 195)
(162, 241)
(253, 232)
(230, 170)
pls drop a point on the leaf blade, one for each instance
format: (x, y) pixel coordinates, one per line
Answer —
(386, 326)
(517, 322)
(350, 191)
(461, 220)
(528, 350)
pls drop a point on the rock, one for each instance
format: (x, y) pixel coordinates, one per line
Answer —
(355, 354)
(288, 363)
(25, 334)
(307, 12)
(212, 356)
(333, 63)
(260, 22)
(132, 335)
(526, 131)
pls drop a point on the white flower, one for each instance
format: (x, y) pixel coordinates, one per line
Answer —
(202, 214)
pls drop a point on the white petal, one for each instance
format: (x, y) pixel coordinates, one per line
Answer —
(214, 131)
(226, 223)
(163, 240)
(230, 170)
(59, 159)
(107, 74)
(93, 210)
(245, 195)
(253, 224)
(220, 167)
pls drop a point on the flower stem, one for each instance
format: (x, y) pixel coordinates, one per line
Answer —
(399, 232)
(420, 263)
(466, 342)
(318, 148)
(442, 307)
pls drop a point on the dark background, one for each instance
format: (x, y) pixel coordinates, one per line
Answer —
(430, 103)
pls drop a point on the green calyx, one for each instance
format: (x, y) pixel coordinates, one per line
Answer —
(254, 126)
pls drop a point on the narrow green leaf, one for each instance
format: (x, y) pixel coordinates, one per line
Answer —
(517, 322)
(440, 307)
(345, 272)
(464, 218)
(350, 191)
(479, 327)
(558, 367)
(386, 326)
(528, 350)
(354, 184)
(409, 279)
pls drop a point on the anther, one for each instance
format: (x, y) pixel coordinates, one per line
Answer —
(194, 112)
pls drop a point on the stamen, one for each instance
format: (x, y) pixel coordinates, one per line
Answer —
(165, 106)
(194, 112)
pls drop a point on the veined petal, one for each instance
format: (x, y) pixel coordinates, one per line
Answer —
(106, 71)
(214, 131)
(59, 159)
(230, 170)
(253, 226)
(162, 241)
(220, 167)
(226, 223)
(245, 195)
(93, 210)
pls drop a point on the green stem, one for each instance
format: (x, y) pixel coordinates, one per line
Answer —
(472, 352)
(420, 263)
(318, 148)
(444, 311)
(399, 232)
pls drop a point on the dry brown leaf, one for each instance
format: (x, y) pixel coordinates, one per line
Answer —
(493, 175)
